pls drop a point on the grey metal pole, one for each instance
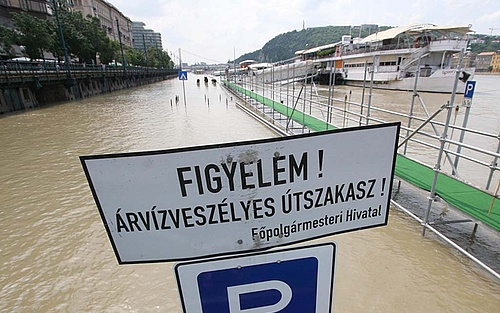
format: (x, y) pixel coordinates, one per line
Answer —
(412, 107)
(345, 112)
(429, 119)
(294, 102)
(437, 167)
(67, 62)
(363, 94)
(372, 76)
(311, 97)
(493, 165)
(263, 90)
(330, 93)
(272, 91)
(124, 64)
(467, 104)
(333, 91)
(183, 86)
(287, 91)
(145, 50)
(304, 104)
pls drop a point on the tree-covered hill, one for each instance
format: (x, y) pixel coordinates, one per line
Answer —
(487, 43)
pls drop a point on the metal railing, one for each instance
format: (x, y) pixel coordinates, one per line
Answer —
(421, 130)
(23, 71)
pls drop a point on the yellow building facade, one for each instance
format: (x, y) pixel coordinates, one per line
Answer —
(495, 63)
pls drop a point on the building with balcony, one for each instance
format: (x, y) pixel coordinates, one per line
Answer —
(144, 38)
(37, 8)
(112, 20)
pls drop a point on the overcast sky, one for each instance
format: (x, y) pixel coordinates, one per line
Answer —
(212, 31)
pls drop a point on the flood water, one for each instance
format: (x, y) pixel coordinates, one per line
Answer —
(56, 256)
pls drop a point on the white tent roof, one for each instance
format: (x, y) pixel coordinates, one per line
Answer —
(316, 49)
(414, 29)
(260, 65)
(247, 62)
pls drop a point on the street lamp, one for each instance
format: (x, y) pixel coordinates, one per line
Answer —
(145, 50)
(123, 56)
(63, 42)
(72, 84)
(121, 45)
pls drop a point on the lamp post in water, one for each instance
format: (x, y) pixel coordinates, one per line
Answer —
(145, 50)
(121, 50)
(121, 45)
(67, 61)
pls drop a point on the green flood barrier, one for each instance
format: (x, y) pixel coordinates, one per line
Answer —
(462, 196)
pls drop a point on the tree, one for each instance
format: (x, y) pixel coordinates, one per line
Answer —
(6, 41)
(487, 43)
(99, 41)
(135, 57)
(75, 28)
(159, 58)
(84, 37)
(32, 33)
(108, 51)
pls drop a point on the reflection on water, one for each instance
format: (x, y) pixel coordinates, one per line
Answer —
(56, 256)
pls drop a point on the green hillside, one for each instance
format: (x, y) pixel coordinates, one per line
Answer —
(489, 43)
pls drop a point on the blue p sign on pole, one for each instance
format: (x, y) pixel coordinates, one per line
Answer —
(469, 89)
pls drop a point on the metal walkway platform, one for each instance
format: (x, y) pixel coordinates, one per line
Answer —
(476, 203)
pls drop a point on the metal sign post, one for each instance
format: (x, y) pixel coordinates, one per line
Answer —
(470, 86)
(182, 76)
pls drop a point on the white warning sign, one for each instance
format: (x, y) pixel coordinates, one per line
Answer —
(204, 201)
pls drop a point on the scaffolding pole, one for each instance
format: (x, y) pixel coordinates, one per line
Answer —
(437, 168)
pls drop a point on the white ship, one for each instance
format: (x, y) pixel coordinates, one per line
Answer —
(393, 59)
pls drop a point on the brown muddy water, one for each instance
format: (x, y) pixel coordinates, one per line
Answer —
(56, 256)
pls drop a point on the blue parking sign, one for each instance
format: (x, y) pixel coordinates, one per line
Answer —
(469, 89)
(283, 281)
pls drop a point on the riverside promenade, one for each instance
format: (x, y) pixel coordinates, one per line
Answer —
(25, 85)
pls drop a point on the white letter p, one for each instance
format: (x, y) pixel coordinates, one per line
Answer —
(234, 293)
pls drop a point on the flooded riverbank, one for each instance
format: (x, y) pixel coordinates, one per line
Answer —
(56, 256)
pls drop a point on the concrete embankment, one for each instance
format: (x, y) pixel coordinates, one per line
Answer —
(25, 86)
